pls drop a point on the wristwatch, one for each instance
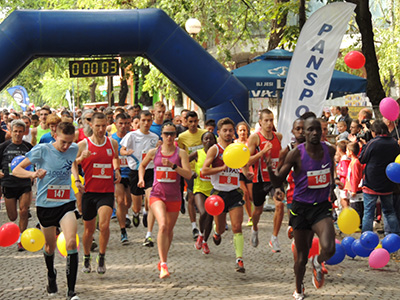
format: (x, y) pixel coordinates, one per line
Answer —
(174, 166)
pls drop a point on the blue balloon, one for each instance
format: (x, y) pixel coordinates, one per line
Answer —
(391, 242)
(359, 249)
(346, 243)
(369, 240)
(338, 257)
(16, 161)
(393, 172)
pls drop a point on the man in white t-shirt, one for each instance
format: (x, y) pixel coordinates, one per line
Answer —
(135, 146)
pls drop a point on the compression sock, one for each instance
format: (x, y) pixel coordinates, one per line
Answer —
(238, 242)
(72, 269)
(49, 259)
(123, 230)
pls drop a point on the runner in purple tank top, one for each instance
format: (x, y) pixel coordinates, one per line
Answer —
(170, 163)
(311, 210)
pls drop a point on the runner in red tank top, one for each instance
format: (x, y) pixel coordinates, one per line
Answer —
(99, 158)
(263, 144)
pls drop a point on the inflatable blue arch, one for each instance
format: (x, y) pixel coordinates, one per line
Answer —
(28, 34)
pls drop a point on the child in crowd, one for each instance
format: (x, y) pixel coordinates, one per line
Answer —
(343, 134)
(209, 125)
(353, 185)
(341, 171)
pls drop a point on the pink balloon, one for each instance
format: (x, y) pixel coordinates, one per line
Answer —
(389, 108)
(378, 258)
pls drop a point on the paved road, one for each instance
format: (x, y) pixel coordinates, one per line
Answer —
(132, 272)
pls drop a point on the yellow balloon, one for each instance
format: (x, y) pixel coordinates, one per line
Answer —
(397, 160)
(236, 155)
(61, 244)
(73, 185)
(379, 246)
(348, 221)
(32, 239)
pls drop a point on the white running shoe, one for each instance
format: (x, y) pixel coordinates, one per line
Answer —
(254, 238)
(274, 244)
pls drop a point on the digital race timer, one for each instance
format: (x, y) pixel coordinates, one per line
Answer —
(86, 68)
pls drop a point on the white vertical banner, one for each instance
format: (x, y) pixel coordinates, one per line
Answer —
(312, 64)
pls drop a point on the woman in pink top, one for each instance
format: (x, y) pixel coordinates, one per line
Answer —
(170, 163)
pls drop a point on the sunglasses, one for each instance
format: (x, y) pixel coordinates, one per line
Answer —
(169, 133)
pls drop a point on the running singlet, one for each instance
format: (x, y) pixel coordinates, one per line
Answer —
(40, 132)
(8, 151)
(166, 183)
(191, 142)
(123, 160)
(54, 189)
(81, 135)
(98, 167)
(202, 183)
(260, 166)
(227, 180)
(140, 143)
(312, 184)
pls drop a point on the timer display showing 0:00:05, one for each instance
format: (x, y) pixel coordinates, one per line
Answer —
(85, 68)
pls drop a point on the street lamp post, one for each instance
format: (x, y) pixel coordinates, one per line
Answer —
(193, 26)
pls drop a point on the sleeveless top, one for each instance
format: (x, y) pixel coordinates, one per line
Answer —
(40, 132)
(98, 167)
(202, 184)
(166, 183)
(312, 184)
(227, 180)
(290, 180)
(260, 166)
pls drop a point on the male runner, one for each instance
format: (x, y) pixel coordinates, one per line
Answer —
(42, 128)
(260, 145)
(311, 210)
(190, 141)
(159, 111)
(122, 190)
(55, 202)
(15, 189)
(135, 146)
(98, 156)
(226, 185)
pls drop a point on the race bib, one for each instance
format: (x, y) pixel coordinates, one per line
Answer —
(274, 164)
(195, 148)
(227, 178)
(58, 192)
(318, 179)
(123, 161)
(204, 177)
(144, 153)
(165, 174)
(102, 171)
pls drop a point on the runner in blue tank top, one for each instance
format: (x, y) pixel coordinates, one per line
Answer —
(311, 211)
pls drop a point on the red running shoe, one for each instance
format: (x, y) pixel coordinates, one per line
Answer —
(205, 248)
(318, 276)
(198, 243)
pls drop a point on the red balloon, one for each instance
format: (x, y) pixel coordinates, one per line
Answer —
(354, 59)
(214, 205)
(9, 234)
(314, 250)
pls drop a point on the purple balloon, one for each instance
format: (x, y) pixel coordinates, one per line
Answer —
(389, 108)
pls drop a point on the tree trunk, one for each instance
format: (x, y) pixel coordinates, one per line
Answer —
(277, 28)
(123, 92)
(302, 14)
(110, 89)
(92, 87)
(375, 90)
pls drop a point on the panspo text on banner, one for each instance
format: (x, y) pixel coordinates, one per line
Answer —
(313, 63)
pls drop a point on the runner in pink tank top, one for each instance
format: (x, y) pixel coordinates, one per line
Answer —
(170, 163)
